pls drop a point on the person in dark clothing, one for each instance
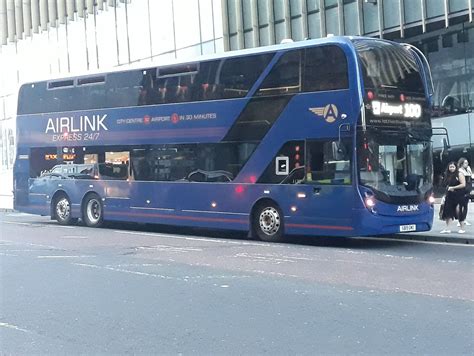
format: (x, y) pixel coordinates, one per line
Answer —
(455, 184)
(465, 170)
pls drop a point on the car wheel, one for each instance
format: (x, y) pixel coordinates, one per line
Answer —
(93, 211)
(268, 222)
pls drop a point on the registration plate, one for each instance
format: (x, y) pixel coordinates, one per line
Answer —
(406, 228)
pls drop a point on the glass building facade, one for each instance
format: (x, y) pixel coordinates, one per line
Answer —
(442, 29)
(42, 39)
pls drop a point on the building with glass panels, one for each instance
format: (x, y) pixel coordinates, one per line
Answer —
(442, 29)
(47, 39)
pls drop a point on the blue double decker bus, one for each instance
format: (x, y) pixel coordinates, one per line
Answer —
(321, 137)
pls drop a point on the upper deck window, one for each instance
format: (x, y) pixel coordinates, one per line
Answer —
(237, 75)
(312, 69)
(325, 68)
(388, 66)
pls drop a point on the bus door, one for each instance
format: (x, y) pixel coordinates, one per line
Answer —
(328, 174)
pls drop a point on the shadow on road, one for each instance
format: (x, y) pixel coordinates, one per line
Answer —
(315, 241)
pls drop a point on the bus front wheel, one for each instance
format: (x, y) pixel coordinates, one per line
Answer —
(62, 210)
(268, 222)
(92, 211)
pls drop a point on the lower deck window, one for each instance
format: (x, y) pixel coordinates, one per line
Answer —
(311, 162)
(219, 162)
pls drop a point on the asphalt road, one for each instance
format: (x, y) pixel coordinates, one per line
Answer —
(148, 290)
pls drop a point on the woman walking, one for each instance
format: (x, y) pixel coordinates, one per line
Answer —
(455, 184)
(465, 170)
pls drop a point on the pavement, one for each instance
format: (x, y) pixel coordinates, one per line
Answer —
(435, 236)
(6, 189)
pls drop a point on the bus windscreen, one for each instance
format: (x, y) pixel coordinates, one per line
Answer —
(386, 66)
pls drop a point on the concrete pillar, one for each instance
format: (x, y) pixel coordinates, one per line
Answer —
(70, 9)
(61, 6)
(27, 18)
(90, 6)
(35, 15)
(43, 11)
(19, 19)
(80, 5)
(52, 13)
(11, 20)
(3, 22)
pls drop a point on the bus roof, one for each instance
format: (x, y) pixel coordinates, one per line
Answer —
(229, 54)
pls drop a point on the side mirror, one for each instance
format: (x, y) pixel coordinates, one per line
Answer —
(446, 144)
(338, 150)
(445, 151)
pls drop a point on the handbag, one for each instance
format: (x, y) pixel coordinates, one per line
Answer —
(441, 207)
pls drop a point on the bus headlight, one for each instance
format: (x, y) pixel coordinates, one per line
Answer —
(370, 202)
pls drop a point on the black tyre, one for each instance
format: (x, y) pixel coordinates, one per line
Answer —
(268, 222)
(93, 211)
(62, 210)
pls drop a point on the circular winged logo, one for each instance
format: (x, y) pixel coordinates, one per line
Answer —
(328, 112)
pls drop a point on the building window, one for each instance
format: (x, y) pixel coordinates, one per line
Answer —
(452, 69)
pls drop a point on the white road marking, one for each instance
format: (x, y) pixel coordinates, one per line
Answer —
(170, 248)
(130, 272)
(34, 245)
(160, 276)
(73, 237)
(279, 258)
(23, 250)
(37, 224)
(18, 214)
(8, 254)
(139, 265)
(18, 223)
(14, 327)
(184, 237)
(57, 256)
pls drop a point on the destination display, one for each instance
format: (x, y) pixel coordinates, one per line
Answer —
(408, 110)
(396, 110)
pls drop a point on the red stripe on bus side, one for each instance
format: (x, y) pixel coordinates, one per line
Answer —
(179, 217)
(326, 227)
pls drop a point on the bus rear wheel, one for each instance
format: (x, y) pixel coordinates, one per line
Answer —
(268, 222)
(62, 210)
(92, 211)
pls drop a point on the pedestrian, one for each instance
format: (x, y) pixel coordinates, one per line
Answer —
(465, 170)
(455, 187)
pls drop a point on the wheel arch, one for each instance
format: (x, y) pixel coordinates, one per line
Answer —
(88, 193)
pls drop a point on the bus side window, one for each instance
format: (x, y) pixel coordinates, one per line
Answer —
(322, 165)
(123, 88)
(204, 86)
(325, 68)
(292, 153)
(238, 75)
(285, 76)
